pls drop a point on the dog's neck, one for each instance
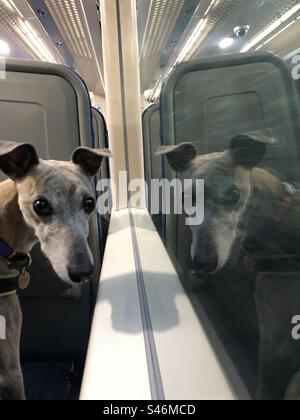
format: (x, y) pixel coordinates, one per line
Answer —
(13, 229)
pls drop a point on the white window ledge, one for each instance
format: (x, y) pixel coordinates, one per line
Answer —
(146, 340)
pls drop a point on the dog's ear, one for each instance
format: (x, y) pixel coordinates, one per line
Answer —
(248, 150)
(16, 159)
(90, 160)
(179, 157)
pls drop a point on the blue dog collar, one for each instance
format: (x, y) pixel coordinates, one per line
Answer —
(5, 250)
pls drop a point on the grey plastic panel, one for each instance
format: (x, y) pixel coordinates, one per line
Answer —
(153, 165)
(152, 141)
(100, 130)
(101, 141)
(49, 107)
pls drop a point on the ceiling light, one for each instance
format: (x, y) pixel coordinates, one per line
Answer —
(191, 42)
(210, 7)
(37, 41)
(7, 4)
(226, 43)
(268, 31)
(147, 94)
(11, 6)
(4, 48)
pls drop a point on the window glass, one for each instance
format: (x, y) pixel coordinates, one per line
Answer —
(220, 87)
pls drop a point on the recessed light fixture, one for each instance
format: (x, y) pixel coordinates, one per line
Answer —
(226, 43)
(4, 47)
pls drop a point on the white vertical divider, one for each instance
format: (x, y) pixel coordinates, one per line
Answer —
(122, 81)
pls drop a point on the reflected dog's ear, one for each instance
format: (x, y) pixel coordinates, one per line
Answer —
(179, 157)
(16, 159)
(249, 149)
(90, 160)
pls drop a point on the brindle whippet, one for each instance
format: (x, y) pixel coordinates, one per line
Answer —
(49, 202)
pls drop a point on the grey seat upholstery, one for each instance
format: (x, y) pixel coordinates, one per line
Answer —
(207, 102)
(152, 141)
(101, 141)
(49, 107)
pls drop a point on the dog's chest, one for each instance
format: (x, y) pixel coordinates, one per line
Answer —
(11, 382)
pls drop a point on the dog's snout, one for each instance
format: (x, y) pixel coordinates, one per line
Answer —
(80, 273)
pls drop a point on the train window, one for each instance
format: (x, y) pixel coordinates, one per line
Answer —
(220, 87)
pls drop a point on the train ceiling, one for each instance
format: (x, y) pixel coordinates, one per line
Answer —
(59, 31)
(170, 32)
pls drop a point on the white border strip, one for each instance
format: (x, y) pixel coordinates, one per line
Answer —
(116, 366)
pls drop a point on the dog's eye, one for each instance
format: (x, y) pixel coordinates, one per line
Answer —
(89, 205)
(231, 196)
(42, 208)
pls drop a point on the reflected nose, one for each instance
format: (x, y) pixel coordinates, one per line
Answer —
(205, 259)
(79, 273)
(205, 265)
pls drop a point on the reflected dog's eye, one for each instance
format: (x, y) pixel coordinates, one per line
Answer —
(89, 205)
(42, 208)
(231, 196)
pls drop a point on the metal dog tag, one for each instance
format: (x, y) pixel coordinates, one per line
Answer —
(24, 280)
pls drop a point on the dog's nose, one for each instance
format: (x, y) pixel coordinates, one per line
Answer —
(80, 273)
(205, 266)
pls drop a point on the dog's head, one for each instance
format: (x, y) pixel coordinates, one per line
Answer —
(227, 178)
(57, 200)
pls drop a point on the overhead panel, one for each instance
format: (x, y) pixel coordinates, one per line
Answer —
(162, 17)
(71, 20)
(224, 15)
(46, 20)
(216, 17)
(179, 28)
(281, 14)
(269, 22)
